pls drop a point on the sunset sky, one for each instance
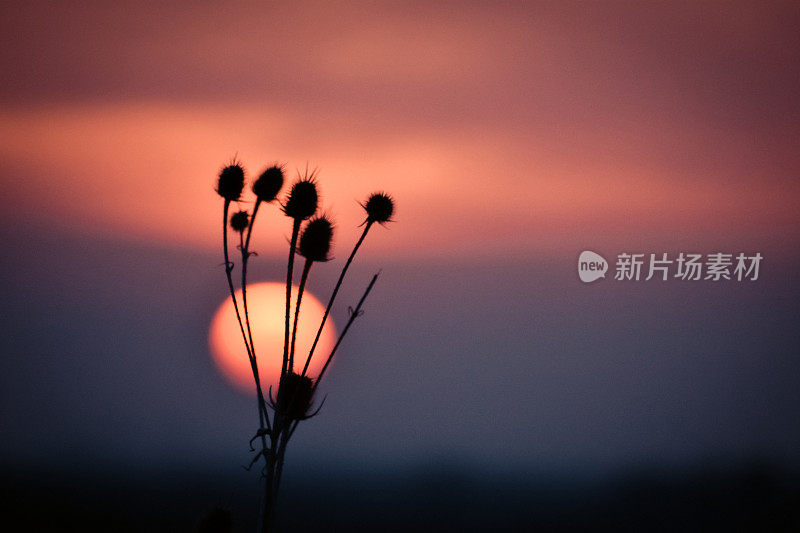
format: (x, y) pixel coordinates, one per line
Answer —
(512, 137)
(554, 120)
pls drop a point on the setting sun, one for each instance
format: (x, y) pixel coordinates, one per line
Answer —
(266, 306)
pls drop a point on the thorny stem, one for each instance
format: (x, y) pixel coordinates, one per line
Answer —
(333, 294)
(355, 314)
(229, 269)
(281, 430)
(263, 415)
(352, 319)
(284, 431)
(289, 272)
(279, 458)
(245, 256)
(270, 486)
(278, 435)
(274, 458)
(303, 278)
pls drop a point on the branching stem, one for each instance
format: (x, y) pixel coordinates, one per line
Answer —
(263, 414)
(353, 315)
(229, 269)
(367, 226)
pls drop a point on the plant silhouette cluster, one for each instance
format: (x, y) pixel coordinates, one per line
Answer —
(279, 412)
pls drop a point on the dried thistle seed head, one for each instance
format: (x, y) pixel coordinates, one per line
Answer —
(239, 221)
(315, 242)
(379, 207)
(294, 395)
(269, 183)
(302, 200)
(231, 181)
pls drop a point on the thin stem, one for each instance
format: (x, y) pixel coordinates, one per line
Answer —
(245, 257)
(303, 278)
(279, 459)
(269, 459)
(244, 247)
(267, 511)
(352, 319)
(229, 269)
(289, 272)
(335, 292)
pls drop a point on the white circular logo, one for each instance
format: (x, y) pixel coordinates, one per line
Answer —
(591, 266)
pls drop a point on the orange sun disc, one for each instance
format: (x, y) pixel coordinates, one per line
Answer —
(266, 306)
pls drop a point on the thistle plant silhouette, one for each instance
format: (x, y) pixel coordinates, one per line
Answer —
(293, 402)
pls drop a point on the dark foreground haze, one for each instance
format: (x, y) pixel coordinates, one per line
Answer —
(437, 497)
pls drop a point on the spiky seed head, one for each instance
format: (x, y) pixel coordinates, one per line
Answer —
(294, 395)
(302, 200)
(231, 181)
(379, 207)
(239, 221)
(315, 242)
(269, 183)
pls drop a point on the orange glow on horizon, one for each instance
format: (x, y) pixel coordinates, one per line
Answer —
(147, 170)
(266, 303)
